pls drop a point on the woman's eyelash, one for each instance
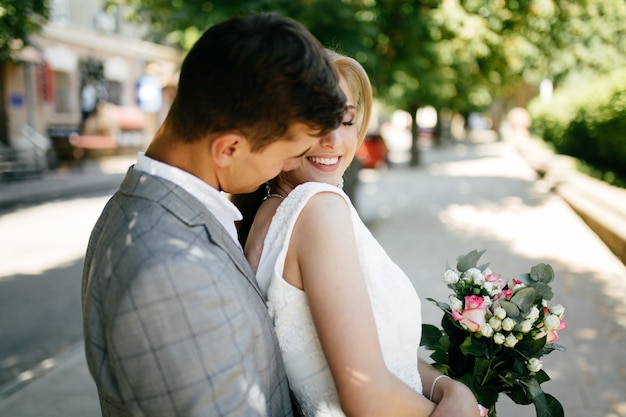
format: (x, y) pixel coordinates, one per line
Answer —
(350, 123)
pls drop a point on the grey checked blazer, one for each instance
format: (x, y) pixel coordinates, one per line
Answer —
(174, 323)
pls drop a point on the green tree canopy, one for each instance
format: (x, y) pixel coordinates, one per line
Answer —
(447, 53)
(18, 19)
(455, 54)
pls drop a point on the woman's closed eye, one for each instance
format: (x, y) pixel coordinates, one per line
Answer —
(348, 118)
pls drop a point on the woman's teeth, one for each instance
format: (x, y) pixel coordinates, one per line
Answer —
(324, 161)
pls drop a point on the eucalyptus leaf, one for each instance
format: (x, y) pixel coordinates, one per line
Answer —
(542, 273)
(444, 306)
(543, 290)
(555, 346)
(483, 267)
(524, 298)
(525, 279)
(511, 309)
(468, 261)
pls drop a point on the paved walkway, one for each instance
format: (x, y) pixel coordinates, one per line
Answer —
(464, 196)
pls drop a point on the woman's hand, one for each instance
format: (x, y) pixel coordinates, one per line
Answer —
(455, 399)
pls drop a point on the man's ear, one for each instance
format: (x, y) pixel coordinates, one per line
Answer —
(226, 146)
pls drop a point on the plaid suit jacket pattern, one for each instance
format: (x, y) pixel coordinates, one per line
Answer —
(174, 322)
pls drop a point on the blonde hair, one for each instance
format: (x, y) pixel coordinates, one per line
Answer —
(359, 83)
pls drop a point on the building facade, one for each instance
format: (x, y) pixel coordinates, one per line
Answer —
(84, 55)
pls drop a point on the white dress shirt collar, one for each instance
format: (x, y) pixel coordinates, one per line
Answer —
(215, 201)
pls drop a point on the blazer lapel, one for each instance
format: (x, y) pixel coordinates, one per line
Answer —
(189, 209)
(220, 237)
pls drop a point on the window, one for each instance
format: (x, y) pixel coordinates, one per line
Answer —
(61, 92)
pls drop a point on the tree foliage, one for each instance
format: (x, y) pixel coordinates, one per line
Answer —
(457, 54)
(18, 19)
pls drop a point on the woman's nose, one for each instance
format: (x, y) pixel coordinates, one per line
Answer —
(331, 139)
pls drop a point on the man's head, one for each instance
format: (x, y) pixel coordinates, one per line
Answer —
(257, 75)
(254, 93)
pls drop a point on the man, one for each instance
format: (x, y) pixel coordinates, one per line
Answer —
(174, 322)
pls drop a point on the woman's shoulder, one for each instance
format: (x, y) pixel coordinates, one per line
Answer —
(307, 190)
(321, 203)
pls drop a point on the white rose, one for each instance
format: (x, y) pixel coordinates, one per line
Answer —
(475, 276)
(487, 300)
(534, 365)
(450, 277)
(456, 304)
(510, 341)
(526, 326)
(495, 323)
(534, 314)
(488, 286)
(500, 313)
(557, 310)
(552, 322)
(486, 330)
(498, 338)
(508, 324)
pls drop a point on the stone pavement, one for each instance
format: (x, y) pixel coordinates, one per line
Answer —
(463, 196)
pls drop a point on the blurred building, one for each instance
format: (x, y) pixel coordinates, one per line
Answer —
(84, 55)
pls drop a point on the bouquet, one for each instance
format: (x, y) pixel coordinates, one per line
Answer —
(494, 333)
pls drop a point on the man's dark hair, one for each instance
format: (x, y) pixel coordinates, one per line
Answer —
(258, 75)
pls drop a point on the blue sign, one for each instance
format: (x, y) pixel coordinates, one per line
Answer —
(17, 99)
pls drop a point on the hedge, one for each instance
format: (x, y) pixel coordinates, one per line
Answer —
(587, 121)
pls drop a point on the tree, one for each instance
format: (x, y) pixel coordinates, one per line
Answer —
(18, 19)
(451, 54)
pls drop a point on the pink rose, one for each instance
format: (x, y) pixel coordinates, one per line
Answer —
(552, 335)
(473, 316)
(498, 282)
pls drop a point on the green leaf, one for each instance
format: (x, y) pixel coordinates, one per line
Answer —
(545, 404)
(483, 267)
(542, 273)
(511, 309)
(430, 336)
(444, 306)
(542, 377)
(440, 356)
(543, 290)
(453, 329)
(525, 279)
(473, 346)
(554, 346)
(468, 261)
(530, 347)
(518, 395)
(524, 298)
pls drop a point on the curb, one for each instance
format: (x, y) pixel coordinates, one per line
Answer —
(600, 205)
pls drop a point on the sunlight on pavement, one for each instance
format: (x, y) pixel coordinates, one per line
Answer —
(490, 163)
(47, 236)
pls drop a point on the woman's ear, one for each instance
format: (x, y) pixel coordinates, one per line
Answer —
(227, 146)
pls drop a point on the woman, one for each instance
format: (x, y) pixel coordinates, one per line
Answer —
(347, 318)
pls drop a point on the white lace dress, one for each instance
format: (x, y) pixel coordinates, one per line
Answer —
(395, 303)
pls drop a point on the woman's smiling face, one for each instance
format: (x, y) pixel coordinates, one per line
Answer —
(331, 155)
